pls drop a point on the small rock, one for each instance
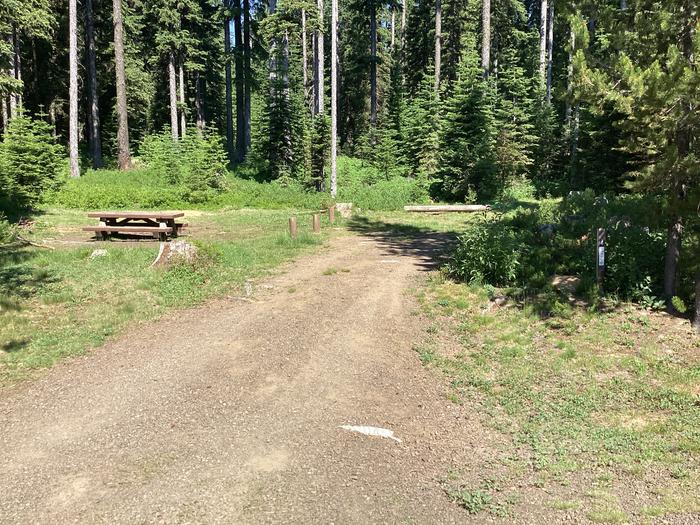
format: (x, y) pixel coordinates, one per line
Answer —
(500, 300)
(566, 284)
(98, 253)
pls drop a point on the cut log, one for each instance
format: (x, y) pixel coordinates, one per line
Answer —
(454, 208)
(345, 209)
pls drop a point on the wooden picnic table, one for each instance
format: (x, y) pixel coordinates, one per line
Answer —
(157, 223)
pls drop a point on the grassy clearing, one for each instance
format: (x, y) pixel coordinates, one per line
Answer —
(599, 410)
(593, 403)
(57, 303)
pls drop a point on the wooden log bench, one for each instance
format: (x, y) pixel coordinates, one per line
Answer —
(158, 224)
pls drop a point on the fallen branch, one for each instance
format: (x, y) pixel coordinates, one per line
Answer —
(460, 208)
(36, 245)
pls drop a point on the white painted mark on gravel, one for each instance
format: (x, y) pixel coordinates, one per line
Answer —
(372, 431)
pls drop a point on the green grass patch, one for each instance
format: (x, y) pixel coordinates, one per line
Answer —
(575, 402)
(57, 303)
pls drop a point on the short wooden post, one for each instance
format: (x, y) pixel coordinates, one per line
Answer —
(331, 214)
(317, 223)
(600, 257)
(293, 227)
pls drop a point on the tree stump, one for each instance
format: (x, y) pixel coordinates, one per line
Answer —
(171, 252)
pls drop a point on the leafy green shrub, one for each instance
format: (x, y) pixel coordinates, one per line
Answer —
(111, 189)
(161, 154)
(490, 252)
(204, 166)
(30, 163)
(392, 194)
(157, 184)
(519, 190)
(369, 188)
(635, 261)
(197, 163)
(583, 211)
(8, 232)
(529, 244)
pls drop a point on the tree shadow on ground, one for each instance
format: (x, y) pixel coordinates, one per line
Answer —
(15, 345)
(431, 247)
(19, 279)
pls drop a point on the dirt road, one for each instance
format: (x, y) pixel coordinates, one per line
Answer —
(232, 412)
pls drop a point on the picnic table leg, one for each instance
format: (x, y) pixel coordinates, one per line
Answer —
(163, 235)
(103, 235)
(173, 225)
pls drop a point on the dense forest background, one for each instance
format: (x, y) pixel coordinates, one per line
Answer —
(463, 97)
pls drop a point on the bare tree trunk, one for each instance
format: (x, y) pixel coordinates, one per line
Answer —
(230, 148)
(35, 69)
(239, 82)
(373, 62)
(496, 52)
(684, 139)
(248, 71)
(318, 64)
(305, 57)
(94, 109)
(73, 88)
(550, 51)
(673, 256)
(393, 28)
(319, 150)
(199, 103)
(12, 97)
(124, 156)
(403, 19)
(570, 79)
(285, 83)
(486, 37)
(5, 114)
(272, 7)
(334, 97)
(172, 81)
(438, 43)
(543, 39)
(17, 63)
(182, 104)
(696, 319)
(52, 119)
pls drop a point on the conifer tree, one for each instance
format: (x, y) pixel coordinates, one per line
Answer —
(468, 134)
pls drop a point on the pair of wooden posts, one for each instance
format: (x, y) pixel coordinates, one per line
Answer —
(315, 222)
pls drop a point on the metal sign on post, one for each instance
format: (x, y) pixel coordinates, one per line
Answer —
(600, 257)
